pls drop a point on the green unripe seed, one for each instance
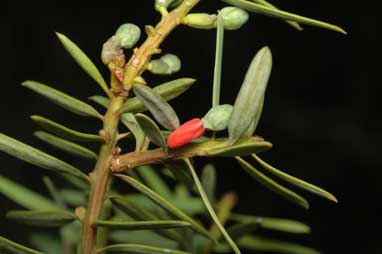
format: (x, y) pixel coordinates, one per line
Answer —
(158, 66)
(173, 62)
(201, 20)
(217, 118)
(163, 3)
(233, 17)
(129, 34)
(166, 65)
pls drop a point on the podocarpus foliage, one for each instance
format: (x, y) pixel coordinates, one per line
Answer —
(163, 212)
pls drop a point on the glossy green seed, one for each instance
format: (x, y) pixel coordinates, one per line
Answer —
(201, 20)
(129, 35)
(234, 17)
(218, 117)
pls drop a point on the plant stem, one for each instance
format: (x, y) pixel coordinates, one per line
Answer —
(101, 176)
(158, 156)
(141, 57)
(134, 68)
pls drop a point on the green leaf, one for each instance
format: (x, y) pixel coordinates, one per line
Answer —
(210, 208)
(163, 203)
(250, 95)
(167, 91)
(265, 244)
(10, 247)
(61, 99)
(73, 197)
(244, 146)
(238, 230)
(267, 4)
(217, 117)
(154, 181)
(142, 225)
(83, 61)
(190, 205)
(272, 185)
(271, 12)
(100, 100)
(253, 126)
(63, 131)
(159, 108)
(138, 249)
(36, 157)
(151, 130)
(46, 242)
(103, 233)
(209, 181)
(142, 237)
(278, 224)
(24, 196)
(42, 218)
(218, 60)
(138, 212)
(66, 146)
(54, 192)
(131, 123)
(295, 181)
(178, 169)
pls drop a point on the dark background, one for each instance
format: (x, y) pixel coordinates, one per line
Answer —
(321, 110)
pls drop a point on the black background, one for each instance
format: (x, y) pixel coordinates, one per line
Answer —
(321, 110)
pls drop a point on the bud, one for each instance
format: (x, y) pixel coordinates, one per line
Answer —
(201, 20)
(111, 48)
(185, 133)
(233, 17)
(162, 3)
(173, 62)
(166, 65)
(129, 34)
(157, 66)
(218, 117)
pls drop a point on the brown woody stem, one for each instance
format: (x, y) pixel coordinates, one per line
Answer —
(205, 148)
(134, 68)
(141, 57)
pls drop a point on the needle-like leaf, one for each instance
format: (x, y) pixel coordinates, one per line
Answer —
(267, 4)
(42, 218)
(278, 224)
(100, 100)
(209, 181)
(24, 196)
(295, 181)
(138, 249)
(131, 123)
(272, 185)
(66, 101)
(218, 60)
(138, 212)
(274, 13)
(154, 181)
(63, 131)
(10, 247)
(66, 146)
(142, 225)
(151, 130)
(159, 108)
(250, 96)
(36, 157)
(162, 202)
(209, 207)
(167, 91)
(83, 61)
